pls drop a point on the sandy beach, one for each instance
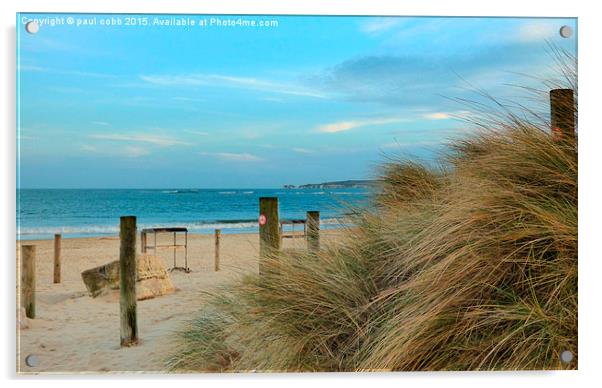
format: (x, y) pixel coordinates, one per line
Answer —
(73, 332)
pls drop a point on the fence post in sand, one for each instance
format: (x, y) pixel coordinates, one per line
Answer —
(562, 114)
(218, 235)
(143, 242)
(57, 258)
(269, 229)
(313, 231)
(28, 280)
(127, 281)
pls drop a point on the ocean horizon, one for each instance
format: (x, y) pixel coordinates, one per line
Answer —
(95, 212)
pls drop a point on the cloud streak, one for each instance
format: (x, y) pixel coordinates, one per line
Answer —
(537, 31)
(217, 80)
(197, 133)
(128, 151)
(375, 26)
(233, 157)
(163, 141)
(412, 144)
(300, 150)
(414, 79)
(68, 72)
(341, 126)
(437, 116)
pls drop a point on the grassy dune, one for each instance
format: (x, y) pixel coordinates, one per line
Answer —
(471, 266)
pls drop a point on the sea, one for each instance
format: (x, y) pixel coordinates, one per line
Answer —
(95, 212)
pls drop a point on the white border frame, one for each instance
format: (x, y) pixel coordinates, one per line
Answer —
(589, 25)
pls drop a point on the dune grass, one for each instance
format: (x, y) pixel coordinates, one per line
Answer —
(470, 266)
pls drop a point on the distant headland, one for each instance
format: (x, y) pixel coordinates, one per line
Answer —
(356, 183)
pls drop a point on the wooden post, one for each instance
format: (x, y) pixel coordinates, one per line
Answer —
(174, 249)
(562, 114)
(313, 231)
(127, 281)
(269, 229)
(143, 242)
(218, 234)
(28, 280)
(57, 258)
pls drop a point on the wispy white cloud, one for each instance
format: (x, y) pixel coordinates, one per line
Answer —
(248, 83)
(86, 74)
(127, 151)
(234, 157)
(69, 72)
(377, 25)
(303, 150)
(272, 99)
(537, 31)
(413, 144)
(135, 152)
(68, 89)
(433, 27)
(341, 126)
(188, 99)
(101, 123)
(32, 68)
(195, 132)
(164, 141)
(439, 133)
(437, 116)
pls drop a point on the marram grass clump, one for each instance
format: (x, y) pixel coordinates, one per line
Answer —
(472, 266)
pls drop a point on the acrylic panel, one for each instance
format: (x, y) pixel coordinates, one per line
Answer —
(285, 193)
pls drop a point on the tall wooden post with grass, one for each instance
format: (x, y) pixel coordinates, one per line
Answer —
(218, 234)
(127, 281)
(28, 280)
(269, 229)
(562, 114)
(57, 258)
(313, 231)
(143, 242)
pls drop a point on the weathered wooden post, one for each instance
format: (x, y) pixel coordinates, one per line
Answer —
(269, 229)
(313, 230)
(57, 258)
(127, 281)
(28, 280)
(218, 234)
(562, 114)
(143, 242)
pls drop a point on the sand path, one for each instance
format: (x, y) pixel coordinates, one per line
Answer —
(74, 333)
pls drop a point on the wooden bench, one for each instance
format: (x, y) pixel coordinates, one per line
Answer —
(292, 233)
(175, 246)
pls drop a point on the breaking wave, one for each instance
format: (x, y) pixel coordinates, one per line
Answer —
(244, 225)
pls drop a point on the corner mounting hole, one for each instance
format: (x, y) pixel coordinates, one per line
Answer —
(32, 361)
(566, 356)
(566, 31)
(32, 27)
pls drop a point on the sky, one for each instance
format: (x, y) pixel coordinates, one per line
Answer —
(130, 101)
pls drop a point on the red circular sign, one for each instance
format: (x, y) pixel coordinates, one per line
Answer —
(262, 219)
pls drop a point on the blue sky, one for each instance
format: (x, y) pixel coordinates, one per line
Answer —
(312, 99)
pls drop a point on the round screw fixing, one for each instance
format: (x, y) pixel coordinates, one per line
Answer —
(32, 27)
(566, 31)
(566, 356)
(32, 361)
